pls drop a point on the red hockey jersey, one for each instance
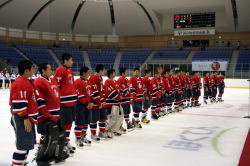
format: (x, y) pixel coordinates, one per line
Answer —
(123, 84)
(221, 82)
(65, 79)
(154, 89)
(48, 99)
(167, 86)
(199, 81)
(171, 83)
(112, 94)
(183, 83)
(195, 83)
(22, 99)
(96, 83)
(146, 86)
(178, 84)
(161, 84)
(188, 83)
(136, 88)
(84, 91)
(214, 80)
(206, 82)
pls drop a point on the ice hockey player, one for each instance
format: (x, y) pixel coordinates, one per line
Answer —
(168, 92)
(98, 113)
(123, 83)
(188, 90)
(1, 79)
(7, 80)
(137, 94)
(49, 124)
(178, 92)
(146, 94)
(199, 87)
(183, 89)
(170, 79)
(83, 107)
(38, 75)
(113, 107)
(13, 77)
(206, 86)
(154, 96)
(214, 85)
(33, 77)
(24, 113)
(195, 90)
(221, 87)
(65, 79)
(161, 101)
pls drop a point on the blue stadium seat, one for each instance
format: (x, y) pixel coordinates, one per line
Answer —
(133, 58)
(104, 56)
(214, 53)
(10, 55)
(37, 53)
(76, 53)
(243, 63)
(171, 54)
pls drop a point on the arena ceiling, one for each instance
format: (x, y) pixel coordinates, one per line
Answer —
(130, 17)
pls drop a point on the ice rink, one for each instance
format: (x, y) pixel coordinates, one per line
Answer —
(212, 135)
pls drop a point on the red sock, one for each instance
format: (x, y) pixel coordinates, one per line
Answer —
(68, 129)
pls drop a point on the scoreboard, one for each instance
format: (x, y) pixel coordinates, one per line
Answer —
(195, 20)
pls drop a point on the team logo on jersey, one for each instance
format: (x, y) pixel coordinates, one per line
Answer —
(139, 85)
(117, 86)
(54, 88)
(34, 97)
(215, 65)
(71, 79)
(88, 89)
(95, 86)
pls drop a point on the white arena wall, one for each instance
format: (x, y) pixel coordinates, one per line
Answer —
(237, 83)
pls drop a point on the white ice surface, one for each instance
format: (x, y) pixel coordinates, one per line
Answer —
(180, 139)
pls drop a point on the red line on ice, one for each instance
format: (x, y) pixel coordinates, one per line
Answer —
(245, 155)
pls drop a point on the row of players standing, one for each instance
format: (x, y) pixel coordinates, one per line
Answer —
(6, 78)
(88, 102)
(214, 86)
(50, 103)
(182, 90)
